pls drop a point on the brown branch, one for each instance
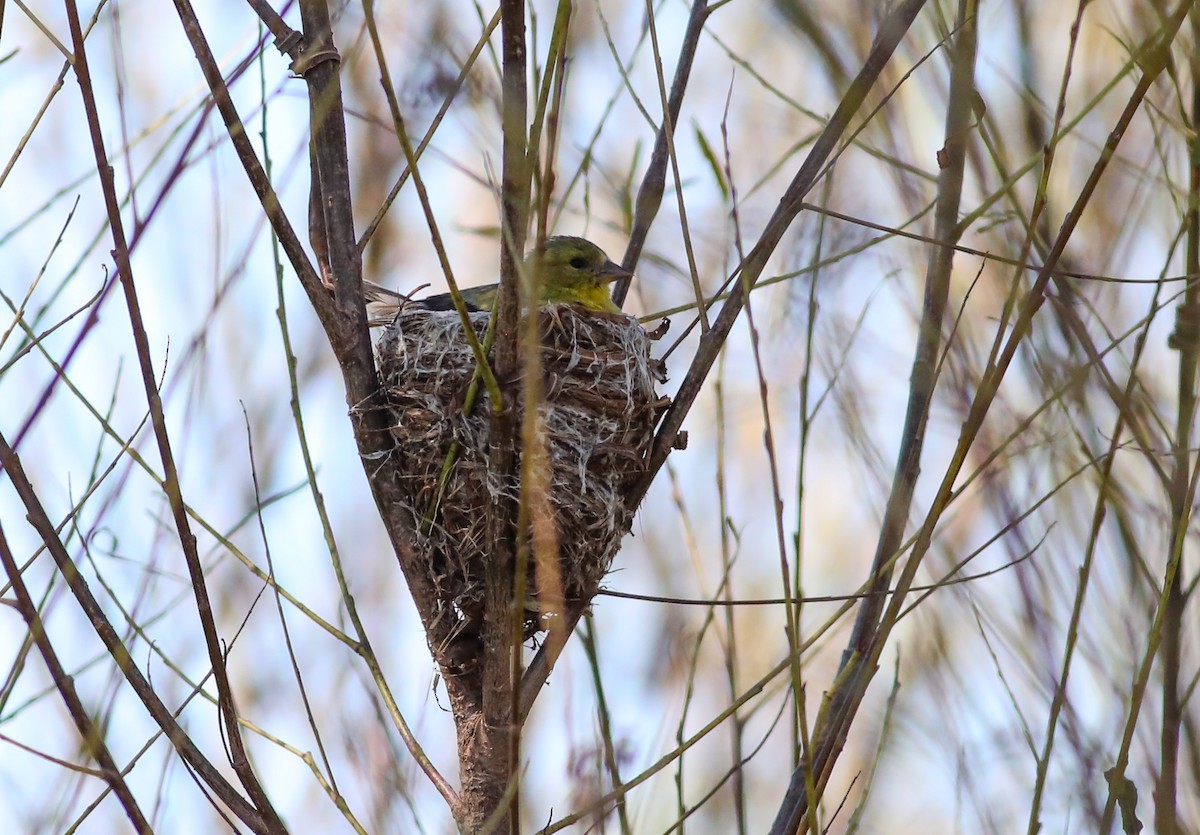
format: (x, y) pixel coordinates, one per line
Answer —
(287, 39)
(493, 758)
(834, 721)
(342, 312)
(790, 204)
(348, 335)
(650, 193)
(11, 465)
(91, 735)
(255, 173)
(924, 372)
(1185, 339)
(239, 758)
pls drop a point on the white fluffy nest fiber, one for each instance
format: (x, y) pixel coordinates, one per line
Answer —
(598, 415)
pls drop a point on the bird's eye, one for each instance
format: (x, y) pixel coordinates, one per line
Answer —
(579, 263)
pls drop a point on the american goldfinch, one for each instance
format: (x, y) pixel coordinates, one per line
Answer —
(573, 271)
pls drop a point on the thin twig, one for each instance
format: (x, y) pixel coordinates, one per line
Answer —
(239, 758)
(11, 464)
(91, 736)
(650, 193)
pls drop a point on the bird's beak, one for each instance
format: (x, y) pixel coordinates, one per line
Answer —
(612, 271)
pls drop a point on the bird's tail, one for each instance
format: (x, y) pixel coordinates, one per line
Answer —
(383, 304)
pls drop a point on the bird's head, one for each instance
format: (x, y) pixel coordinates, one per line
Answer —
(576, 271)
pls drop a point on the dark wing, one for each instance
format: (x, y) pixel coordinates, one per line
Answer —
(442, 301)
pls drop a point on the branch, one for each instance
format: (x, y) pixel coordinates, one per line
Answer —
(650, 194)
(790, 204)
(489, 757)
(10, 463)
(239, 759)
(92, 736)
(833, 723)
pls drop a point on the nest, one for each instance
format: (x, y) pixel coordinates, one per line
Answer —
(598, 413)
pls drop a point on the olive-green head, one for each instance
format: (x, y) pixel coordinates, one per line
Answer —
(575, 271)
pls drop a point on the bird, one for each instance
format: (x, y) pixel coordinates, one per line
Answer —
(573, 271)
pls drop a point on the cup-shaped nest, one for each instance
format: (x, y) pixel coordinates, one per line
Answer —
(597, 415)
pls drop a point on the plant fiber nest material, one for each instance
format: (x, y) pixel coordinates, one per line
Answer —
(597, 416)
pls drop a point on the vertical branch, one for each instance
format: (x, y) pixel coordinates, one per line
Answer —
(545, 121)
(514, 183)
(535, 513)
(667, 132)
(239, 758)
(332, 216)
(833, 724)
(1186, 340)
(491, 769)
(929, 335)
(648, 201)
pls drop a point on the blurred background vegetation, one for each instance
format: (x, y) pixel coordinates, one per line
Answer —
(1044, 642)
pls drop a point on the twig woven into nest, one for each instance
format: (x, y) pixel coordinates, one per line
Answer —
(597, 416)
